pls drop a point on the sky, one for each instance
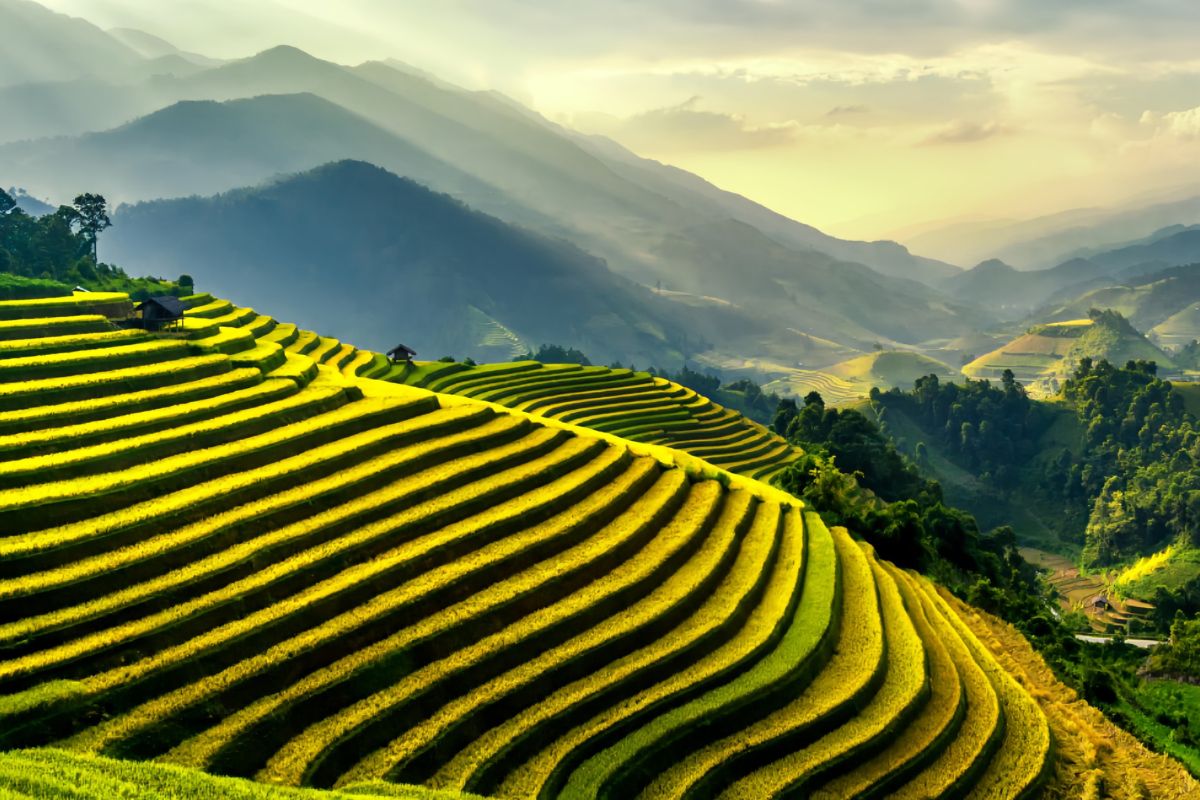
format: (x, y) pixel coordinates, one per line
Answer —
(868, 118)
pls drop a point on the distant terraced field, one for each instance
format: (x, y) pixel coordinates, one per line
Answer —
(633, 405)
(223, 551)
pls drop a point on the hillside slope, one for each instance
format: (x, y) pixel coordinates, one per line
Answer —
(224, 556)
(408, 265)
(205, 147)
(1049, 352)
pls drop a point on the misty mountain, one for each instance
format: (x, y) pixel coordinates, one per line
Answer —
(364, 255)
(149, 46)
(1145, 300)
(205, 147)
(1044, 241)
(38, 45)
(686, 188)
(1011, 293)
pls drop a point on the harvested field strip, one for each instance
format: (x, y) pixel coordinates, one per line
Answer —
(270, 713)
(47, 440)
(797, 656)
(320, 460)
(282, 334)
(589, 541)
(546, 771)
(225, 340)
(304, 343)
(672, 545)
(324, 350)
(452, 374)
(358, 363)
(361, 582)
(20, 554)
(75, 362)
(340, 357)
(851, 676)
(1020, 763)
(112, 490)
(210, 310)
(982, 729)
(13, 348)
(286, 567)
(299, 369)
(903, 693)
(715, 623)
(117, 381)
(617, 398)
(413, 757)
(262, 326)
(108, 304)
(80, 411)
(53, 326)
(548, 378)
(137, 450)
(630, 407)
(929, 734)
(634, 389)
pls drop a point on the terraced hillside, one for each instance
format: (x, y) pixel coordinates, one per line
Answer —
(633, 405)
(852, 380)
(1051, 351)
(223, 557)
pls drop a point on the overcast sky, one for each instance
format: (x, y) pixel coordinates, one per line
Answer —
(860, 116)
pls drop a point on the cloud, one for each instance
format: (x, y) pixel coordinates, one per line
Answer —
(686, 126)
(1178, 124)
(846, 110)
(962, 132)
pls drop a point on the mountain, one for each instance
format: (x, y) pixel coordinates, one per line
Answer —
(38, 45)
(30, 204)
(523, 169)
(205, 147)
(886, 257)
(1168, 247)
(1045, 241)
(367, 256)
(1010, 293)
(154, 47)
(1146, 300)
(1045, 354)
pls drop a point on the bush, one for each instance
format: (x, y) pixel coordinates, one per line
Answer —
(17, 287)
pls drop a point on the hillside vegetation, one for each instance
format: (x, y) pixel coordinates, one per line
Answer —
(226, 552)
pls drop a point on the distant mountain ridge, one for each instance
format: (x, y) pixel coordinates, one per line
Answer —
(408, 264)
(507, 161)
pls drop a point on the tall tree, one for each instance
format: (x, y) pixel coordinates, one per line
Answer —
(92, 211)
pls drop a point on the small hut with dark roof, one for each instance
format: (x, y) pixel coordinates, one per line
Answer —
(160, 312)
(401, 353)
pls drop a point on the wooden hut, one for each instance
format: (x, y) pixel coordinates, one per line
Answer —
(401, 353)
(158, 313)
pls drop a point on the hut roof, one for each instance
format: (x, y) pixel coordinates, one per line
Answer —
(170, 305)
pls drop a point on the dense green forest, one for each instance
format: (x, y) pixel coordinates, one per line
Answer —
(855, 474)
(1124, 483)
(49, 255)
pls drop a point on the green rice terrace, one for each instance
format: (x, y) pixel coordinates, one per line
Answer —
(230, 553)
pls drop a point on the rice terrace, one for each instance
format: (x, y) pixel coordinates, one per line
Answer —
(604, 400)
(229, 551)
